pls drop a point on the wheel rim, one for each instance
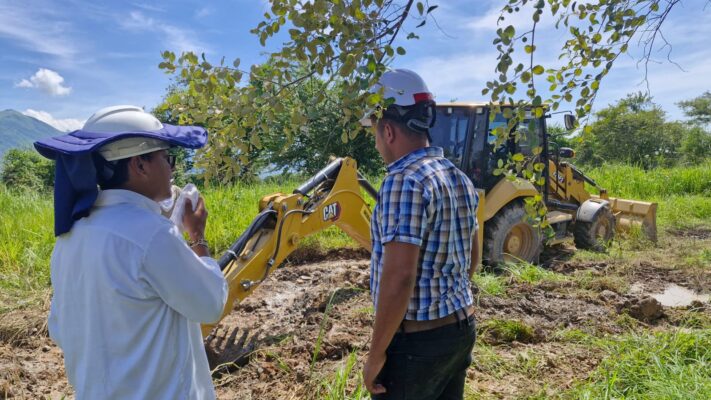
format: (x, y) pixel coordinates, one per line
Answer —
(518, 244)
(603, 229)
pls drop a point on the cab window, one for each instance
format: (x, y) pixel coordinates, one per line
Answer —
(450, 132)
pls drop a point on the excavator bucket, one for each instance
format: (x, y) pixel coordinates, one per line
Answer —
(633, 213)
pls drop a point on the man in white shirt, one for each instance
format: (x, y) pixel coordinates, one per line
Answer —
(129, 293)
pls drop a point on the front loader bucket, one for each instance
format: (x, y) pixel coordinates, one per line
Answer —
(630, 213)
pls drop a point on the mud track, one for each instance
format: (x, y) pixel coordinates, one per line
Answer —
(315, 311)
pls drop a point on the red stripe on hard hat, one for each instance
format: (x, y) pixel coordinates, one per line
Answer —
(425, 96)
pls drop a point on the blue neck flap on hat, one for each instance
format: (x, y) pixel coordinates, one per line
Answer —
(75, 190)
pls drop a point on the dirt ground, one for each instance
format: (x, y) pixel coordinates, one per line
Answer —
(322, 302)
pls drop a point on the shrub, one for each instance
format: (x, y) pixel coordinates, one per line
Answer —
(26, 169)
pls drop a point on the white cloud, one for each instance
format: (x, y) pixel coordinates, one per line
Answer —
(176, 38)
(148, 7)
(64, 125)
(204, 12)
(460, 77)
(47, 81)
(522, 19)
(31, 29)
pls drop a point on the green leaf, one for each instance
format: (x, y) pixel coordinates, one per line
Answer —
(509, 31)
(538, 69)
(518, 157)
(529, 48)
(400, 50)
(420, 7)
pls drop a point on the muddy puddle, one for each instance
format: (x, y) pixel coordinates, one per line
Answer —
(673, 295)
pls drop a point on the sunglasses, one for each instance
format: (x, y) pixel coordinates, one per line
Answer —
(171, 158)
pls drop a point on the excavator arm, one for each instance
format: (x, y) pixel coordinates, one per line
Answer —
(331, 197)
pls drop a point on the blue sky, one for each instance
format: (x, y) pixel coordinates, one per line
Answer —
(62, 60)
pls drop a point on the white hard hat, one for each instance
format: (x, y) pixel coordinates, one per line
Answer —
(403, 86)
(123, 119)
(132, 146)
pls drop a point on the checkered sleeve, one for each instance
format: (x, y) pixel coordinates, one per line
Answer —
(403, 202)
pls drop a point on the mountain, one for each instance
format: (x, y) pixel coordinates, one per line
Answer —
(19, 130)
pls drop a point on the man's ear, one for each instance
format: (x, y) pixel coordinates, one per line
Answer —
(137, 166)
(389, 132)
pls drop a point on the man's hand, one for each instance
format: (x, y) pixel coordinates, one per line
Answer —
(195, 221)
(372, 368)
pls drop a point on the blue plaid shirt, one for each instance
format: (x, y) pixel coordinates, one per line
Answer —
(426, 201)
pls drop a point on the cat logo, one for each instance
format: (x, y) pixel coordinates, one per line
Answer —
(331, 212)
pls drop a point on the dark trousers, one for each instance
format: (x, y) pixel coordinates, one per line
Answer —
(430, 364)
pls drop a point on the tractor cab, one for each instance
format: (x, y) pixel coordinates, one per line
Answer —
(467, 133)
(468, 138)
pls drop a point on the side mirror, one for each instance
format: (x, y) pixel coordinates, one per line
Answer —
(566, 152)
(570, 122)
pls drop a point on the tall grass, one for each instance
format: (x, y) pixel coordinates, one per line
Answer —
(27, 226)
(345, 384)
(633, 182)
(26, 242)
(683, 193)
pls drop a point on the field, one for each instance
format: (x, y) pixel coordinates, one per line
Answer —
(580, 325)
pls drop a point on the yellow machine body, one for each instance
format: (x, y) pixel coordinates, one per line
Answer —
(567, 184)
(296, 217)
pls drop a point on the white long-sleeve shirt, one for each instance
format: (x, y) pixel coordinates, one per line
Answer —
(129, 296)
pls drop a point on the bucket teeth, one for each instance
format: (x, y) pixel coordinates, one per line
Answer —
(225, 353)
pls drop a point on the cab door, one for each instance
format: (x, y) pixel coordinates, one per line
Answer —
(455, 132)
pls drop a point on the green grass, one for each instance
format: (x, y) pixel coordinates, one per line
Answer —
(528, 273)
(27, 239)
(597, 283)
(628, 181)
(507, 330)
(345, 384)
(26, 243)
(683, 193)
(490, 284)
(26, 220)
(670, 365)
(573, 335)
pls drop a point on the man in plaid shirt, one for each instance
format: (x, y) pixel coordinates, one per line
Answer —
(424, 234)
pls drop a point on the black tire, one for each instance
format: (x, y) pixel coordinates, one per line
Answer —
(597, 234)
(510, 237)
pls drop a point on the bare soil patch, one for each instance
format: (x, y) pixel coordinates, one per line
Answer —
(312, 313)
(692, 233)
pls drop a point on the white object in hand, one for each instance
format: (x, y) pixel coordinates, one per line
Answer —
(190, 192)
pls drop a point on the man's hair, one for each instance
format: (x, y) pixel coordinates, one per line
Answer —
(113, 174)
(413, 134)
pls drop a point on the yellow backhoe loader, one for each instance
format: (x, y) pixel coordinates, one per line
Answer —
(334, 197)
